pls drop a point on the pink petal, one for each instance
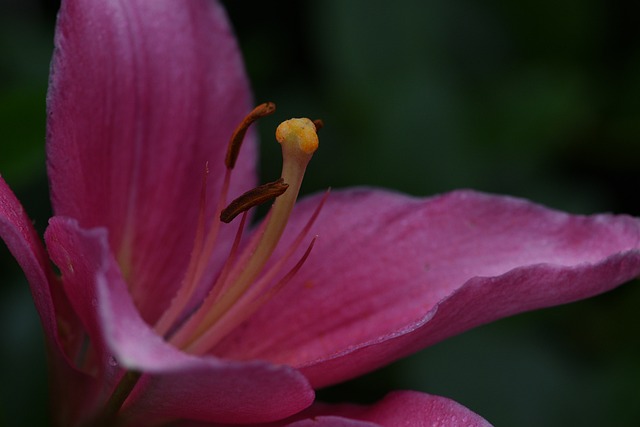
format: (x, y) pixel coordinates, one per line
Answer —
(175, 385)
(80, 255)
(142, 95)
(330, 421)
(401, 408)
(319, 421)
(24, 244)
(390, 275)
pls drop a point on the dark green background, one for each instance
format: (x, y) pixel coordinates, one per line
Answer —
(539, 99)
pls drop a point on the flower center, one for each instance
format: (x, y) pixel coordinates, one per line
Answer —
(244, 283)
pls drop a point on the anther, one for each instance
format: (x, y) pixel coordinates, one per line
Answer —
(319, 124)
(235, 143)
(252, 198)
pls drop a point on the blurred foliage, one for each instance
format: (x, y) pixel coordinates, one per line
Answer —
(536, 99)
(26, 29)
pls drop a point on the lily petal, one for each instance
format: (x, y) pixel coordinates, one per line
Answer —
(79, 255)
(142, 95)
(319, 421)
(400, 408)
(329, 421)
(174, 385)
(24, 244)
(390, 275)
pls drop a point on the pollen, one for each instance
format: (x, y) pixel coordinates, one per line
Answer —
(298, 134)
(253, 198)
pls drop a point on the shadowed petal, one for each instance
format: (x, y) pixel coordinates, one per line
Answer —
(24, 244)
(319, 421)
(174, 385)
(79, 255)
(400, 408)
(325, 421)
(142, 95)
(329, 421)
(390, 275)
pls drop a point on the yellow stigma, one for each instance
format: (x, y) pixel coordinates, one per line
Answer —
(298, 134)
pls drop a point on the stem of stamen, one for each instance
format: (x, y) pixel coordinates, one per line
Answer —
(260, 288)
(249, 304)
(219, 285)
(267, 276)
(199, 256)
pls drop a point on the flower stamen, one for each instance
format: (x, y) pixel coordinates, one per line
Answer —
(253, 198)
(188, 285)
(250, 303)
(233, 149)
(260, 291)
(204, 246)
(299, 140)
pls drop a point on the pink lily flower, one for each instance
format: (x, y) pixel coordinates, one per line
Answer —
(160, 313)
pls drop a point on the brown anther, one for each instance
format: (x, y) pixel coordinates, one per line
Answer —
(253, 198)
(319, 124)
(235, 143)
